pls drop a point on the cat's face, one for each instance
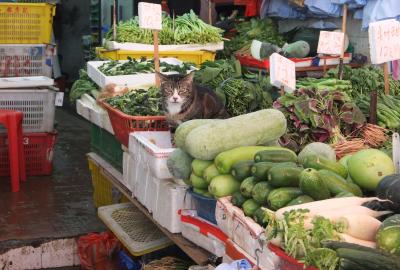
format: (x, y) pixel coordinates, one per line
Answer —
(176, 90)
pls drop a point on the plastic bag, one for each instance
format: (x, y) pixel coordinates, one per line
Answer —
(96, 250)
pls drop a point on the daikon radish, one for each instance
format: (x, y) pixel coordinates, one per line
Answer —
(335, 214)
(361, 226)
(325, 205)
(350, 239)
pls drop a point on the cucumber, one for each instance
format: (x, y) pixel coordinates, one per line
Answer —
(210, 173)
(256, 128)
(242, 169)
(369, 259)
(260, 170)
(301, 200)
(320, 163)
(260, 192)
(249, 207)
(198, 182)
(261, 217)
(276, 155)
(281, 176)
(345, 264)
(280, 197)
(225, 160)
(312, 185)
(337, 184)
(184, 129)
(238, 199)
(199, 166)
(247, 186)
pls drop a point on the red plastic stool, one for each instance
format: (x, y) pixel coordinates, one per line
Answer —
(12, 121)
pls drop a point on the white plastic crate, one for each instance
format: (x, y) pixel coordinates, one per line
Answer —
(170, 199)
(19, 60)
(134, 80)
(23, 82)
(37, 105)
(152, 148)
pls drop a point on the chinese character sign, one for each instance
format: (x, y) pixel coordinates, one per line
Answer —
(282, 72)
(150, 16)
(384, 41)
(330, 43)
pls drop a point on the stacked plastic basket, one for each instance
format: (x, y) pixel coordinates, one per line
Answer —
(26, 61)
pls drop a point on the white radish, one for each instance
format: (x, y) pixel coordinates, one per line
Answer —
(335, 214)
(325, 205)
(350, 239)
(361, 226)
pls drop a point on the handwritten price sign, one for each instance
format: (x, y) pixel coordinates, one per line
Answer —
(330, 42)
(282, 72)
(384, 41)
(150, 16)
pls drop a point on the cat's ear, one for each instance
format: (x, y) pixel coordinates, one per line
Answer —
(161, 76)
(188, 79)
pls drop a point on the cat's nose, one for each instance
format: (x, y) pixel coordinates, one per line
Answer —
(175, 98)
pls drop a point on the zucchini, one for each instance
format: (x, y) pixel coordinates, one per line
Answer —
(242, 169)
(210, 173)
(199, 166)
(301, 200)
(281, 176)
(261, 217)
(320, 163)
(276, 155)
(337, 184)
(312, 185)
(225, 160)
(260, 170)
(260, 192)
(249, 207)
(368, 259)
(246, 188)
(345, 264)
(280, 197)
(257, 128)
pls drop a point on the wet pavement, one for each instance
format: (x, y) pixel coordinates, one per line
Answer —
(57, 206)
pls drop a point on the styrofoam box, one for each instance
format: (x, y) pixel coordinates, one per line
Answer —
(240, 229)
(133, 80)
(113, 45)
(154, 149)
(170, 199)
(211, 244)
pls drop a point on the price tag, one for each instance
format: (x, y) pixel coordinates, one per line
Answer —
(330, 43)
(384, 41)
(59, 99)
(150, 16)
(282, 72)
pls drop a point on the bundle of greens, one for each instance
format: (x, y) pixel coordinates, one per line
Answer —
(139, 102)
(324, 84)
(364, 80)
(185, 29)
(264, 30)
(213, 73)
(318, 115)
(133, 66)
(84, 85)
(304, 242)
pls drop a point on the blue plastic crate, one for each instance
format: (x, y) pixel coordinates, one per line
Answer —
(205, 207)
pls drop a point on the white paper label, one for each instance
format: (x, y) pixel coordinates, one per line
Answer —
(150, 16)
(282, 72)
(384, 41)
(330, 43)
(59, 99)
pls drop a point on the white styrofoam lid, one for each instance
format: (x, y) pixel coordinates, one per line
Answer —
(21, 82)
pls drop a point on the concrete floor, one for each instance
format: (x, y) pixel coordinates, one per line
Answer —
(57, 206)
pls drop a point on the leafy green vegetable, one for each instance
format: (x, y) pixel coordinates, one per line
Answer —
(139, 102)
(185, 29)
(133, 66)
(84, 85)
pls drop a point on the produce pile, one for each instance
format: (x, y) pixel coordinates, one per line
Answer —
(240, 93)
(139, 102)
(264, 30)
(84, 85)
(185, 29)
(133, 66)
(318, 116)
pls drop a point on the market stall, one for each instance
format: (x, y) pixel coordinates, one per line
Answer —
(302, 175)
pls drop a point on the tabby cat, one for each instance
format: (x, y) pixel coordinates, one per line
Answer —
(183, 100)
